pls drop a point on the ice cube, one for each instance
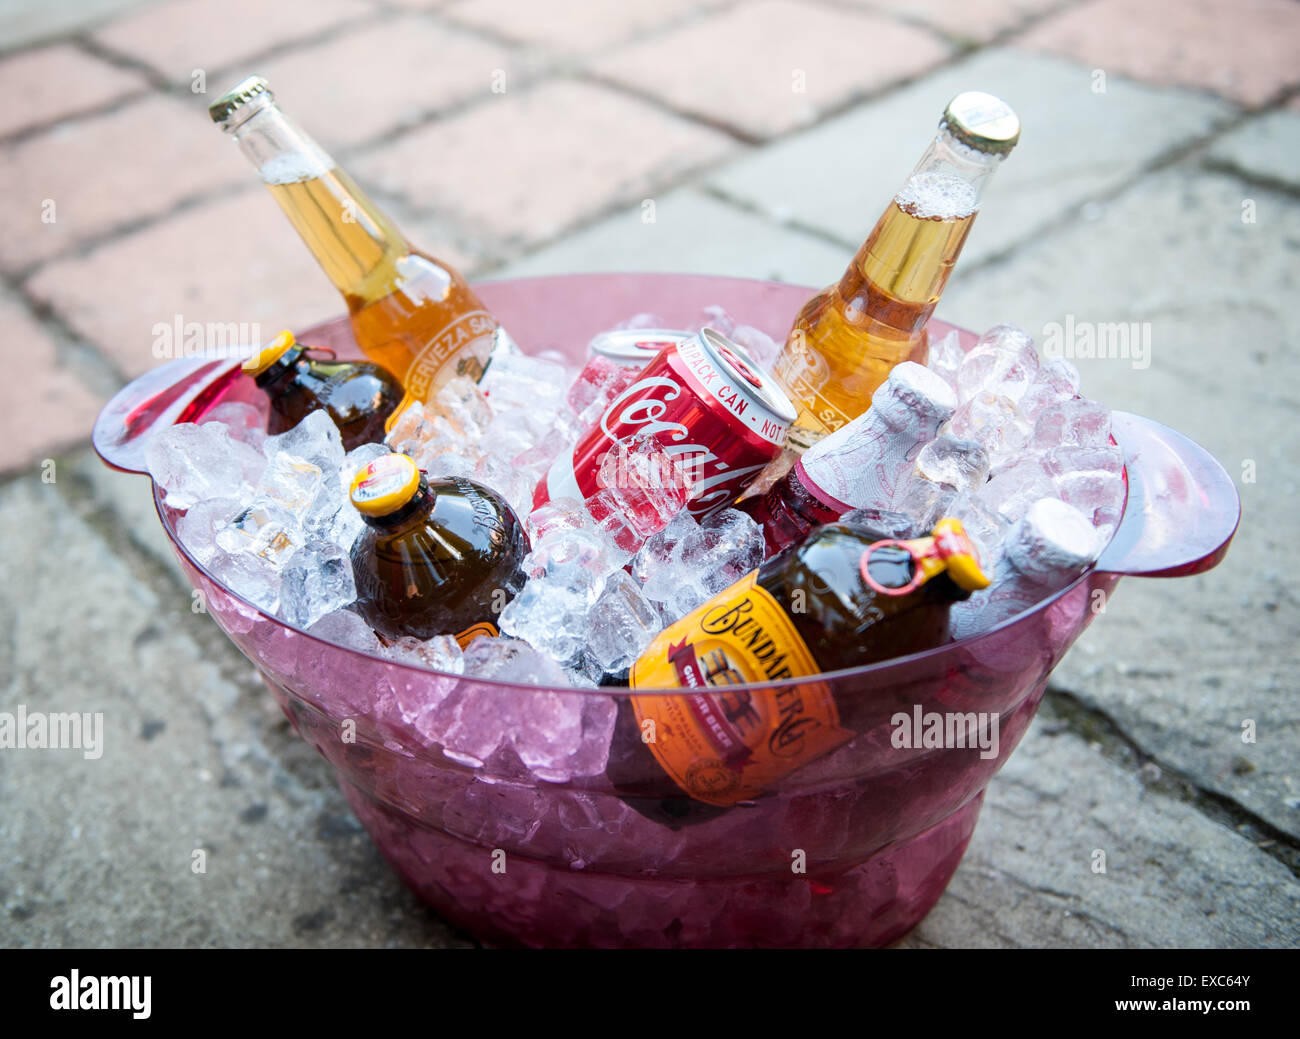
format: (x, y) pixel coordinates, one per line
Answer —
(658, 548)
(191, 463)
(198, 527)
(345, 628)
(995, 424)
(715, 316)
(1003, 362)
(292, 483)
(317, 580)
(962, 465)
(513, 661)
(462, 403)
(758, 344)
(985, 527)
(263, 529)
(315, 439)
(508, 481)
(1080, 422)
(946, 357)
(923, 502)
(440, 653)
(621, 623)
(599, 382)
(643, 487)
(1011, 492)
(550, 611)
(643, 321)
(726, 546)
(243, 421)
(1057, 381)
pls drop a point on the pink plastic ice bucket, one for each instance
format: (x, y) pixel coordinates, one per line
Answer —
(852, 850)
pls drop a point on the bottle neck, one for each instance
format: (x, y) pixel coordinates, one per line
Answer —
(351, 238)
(902, 268)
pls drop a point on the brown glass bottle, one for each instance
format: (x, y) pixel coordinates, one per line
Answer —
(809, 609)
(357, 395)
(438, 557)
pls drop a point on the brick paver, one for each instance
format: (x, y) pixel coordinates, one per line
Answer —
(967, 20)
(768, 67)
(51, 83)
(406, 69)
(573, 25)
(533, 162)
(178, 37)
(1248, 50)
(165, 153)
(45, 407)
(235, 260)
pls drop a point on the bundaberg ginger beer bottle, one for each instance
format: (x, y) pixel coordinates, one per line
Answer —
(358, 396)
(411, 313)
(438, 557)
(847, 338)
(847, 596)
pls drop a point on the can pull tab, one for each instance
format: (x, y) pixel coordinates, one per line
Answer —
(948, 548)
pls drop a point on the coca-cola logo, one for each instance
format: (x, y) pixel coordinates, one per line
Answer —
(640, 409)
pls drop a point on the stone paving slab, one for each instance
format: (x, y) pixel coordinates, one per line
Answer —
(1267, 148)
(1075, 145)
(1173, 879)
(767, 67)
(691, 232)
(1180, 664)
(195, 756)
(1244, 49)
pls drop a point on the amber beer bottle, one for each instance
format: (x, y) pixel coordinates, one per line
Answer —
(845, 597)
(847, 338)
(411, 313)
(357, 395)
(438, 557)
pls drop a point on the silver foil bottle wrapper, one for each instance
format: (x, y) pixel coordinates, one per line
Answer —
(864, 463)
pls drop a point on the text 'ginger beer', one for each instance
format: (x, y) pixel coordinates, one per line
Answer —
(848, 338)
(411, 313)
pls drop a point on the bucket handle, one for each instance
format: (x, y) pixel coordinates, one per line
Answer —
(1182, 508)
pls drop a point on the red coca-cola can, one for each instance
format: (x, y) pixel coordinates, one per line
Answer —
(710, 407)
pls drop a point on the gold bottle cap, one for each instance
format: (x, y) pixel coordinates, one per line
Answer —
(982, 121)
(269, 354)
(243, 92)
(384, 485)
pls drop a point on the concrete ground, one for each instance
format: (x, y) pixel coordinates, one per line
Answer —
(1156, 183)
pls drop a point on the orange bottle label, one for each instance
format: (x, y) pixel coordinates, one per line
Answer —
(726, 746)
(475, 631)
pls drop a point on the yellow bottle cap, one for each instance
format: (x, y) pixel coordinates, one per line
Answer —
(269, 354)
(959, 554)
(384, 485)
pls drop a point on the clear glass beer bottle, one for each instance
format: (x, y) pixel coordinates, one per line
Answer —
(848, 338)
(411, 313)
